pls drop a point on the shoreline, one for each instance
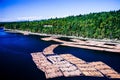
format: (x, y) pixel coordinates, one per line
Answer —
(74, 37)
(92, 44)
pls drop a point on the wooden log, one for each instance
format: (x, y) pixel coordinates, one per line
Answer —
(105, 69)
(49, 49)
(115, 76)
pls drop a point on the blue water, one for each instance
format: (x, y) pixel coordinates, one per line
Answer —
(16, 62)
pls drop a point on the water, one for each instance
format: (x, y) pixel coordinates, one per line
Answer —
(16, 62)
(111, 59)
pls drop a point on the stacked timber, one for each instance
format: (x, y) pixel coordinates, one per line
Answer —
(67, 68)
(68, 65)
(52, 72)
(89, 44)
(26, 33)
(105, 69)
(72, 59)
(89, 70)
(49, 49)
(47, 38)
(78, 41)
(84, 67)
(43, 64)
(40, 60)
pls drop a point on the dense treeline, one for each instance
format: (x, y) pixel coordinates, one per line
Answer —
(93, 25)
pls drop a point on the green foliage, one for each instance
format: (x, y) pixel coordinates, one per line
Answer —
(93, 25)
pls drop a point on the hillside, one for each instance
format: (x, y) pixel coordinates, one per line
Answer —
(94, 25)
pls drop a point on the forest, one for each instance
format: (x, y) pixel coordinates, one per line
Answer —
(93, 25)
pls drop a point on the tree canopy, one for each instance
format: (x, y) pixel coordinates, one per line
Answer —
(94, 25)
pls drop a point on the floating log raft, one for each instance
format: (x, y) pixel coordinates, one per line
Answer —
(26, 33)
(105, 69)
(87, 44)
(72, 59)
(49, 49)
(47, 38)
(68, 65)
(83, 66)
(52, 71)
(43, 64)
(67, 68)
